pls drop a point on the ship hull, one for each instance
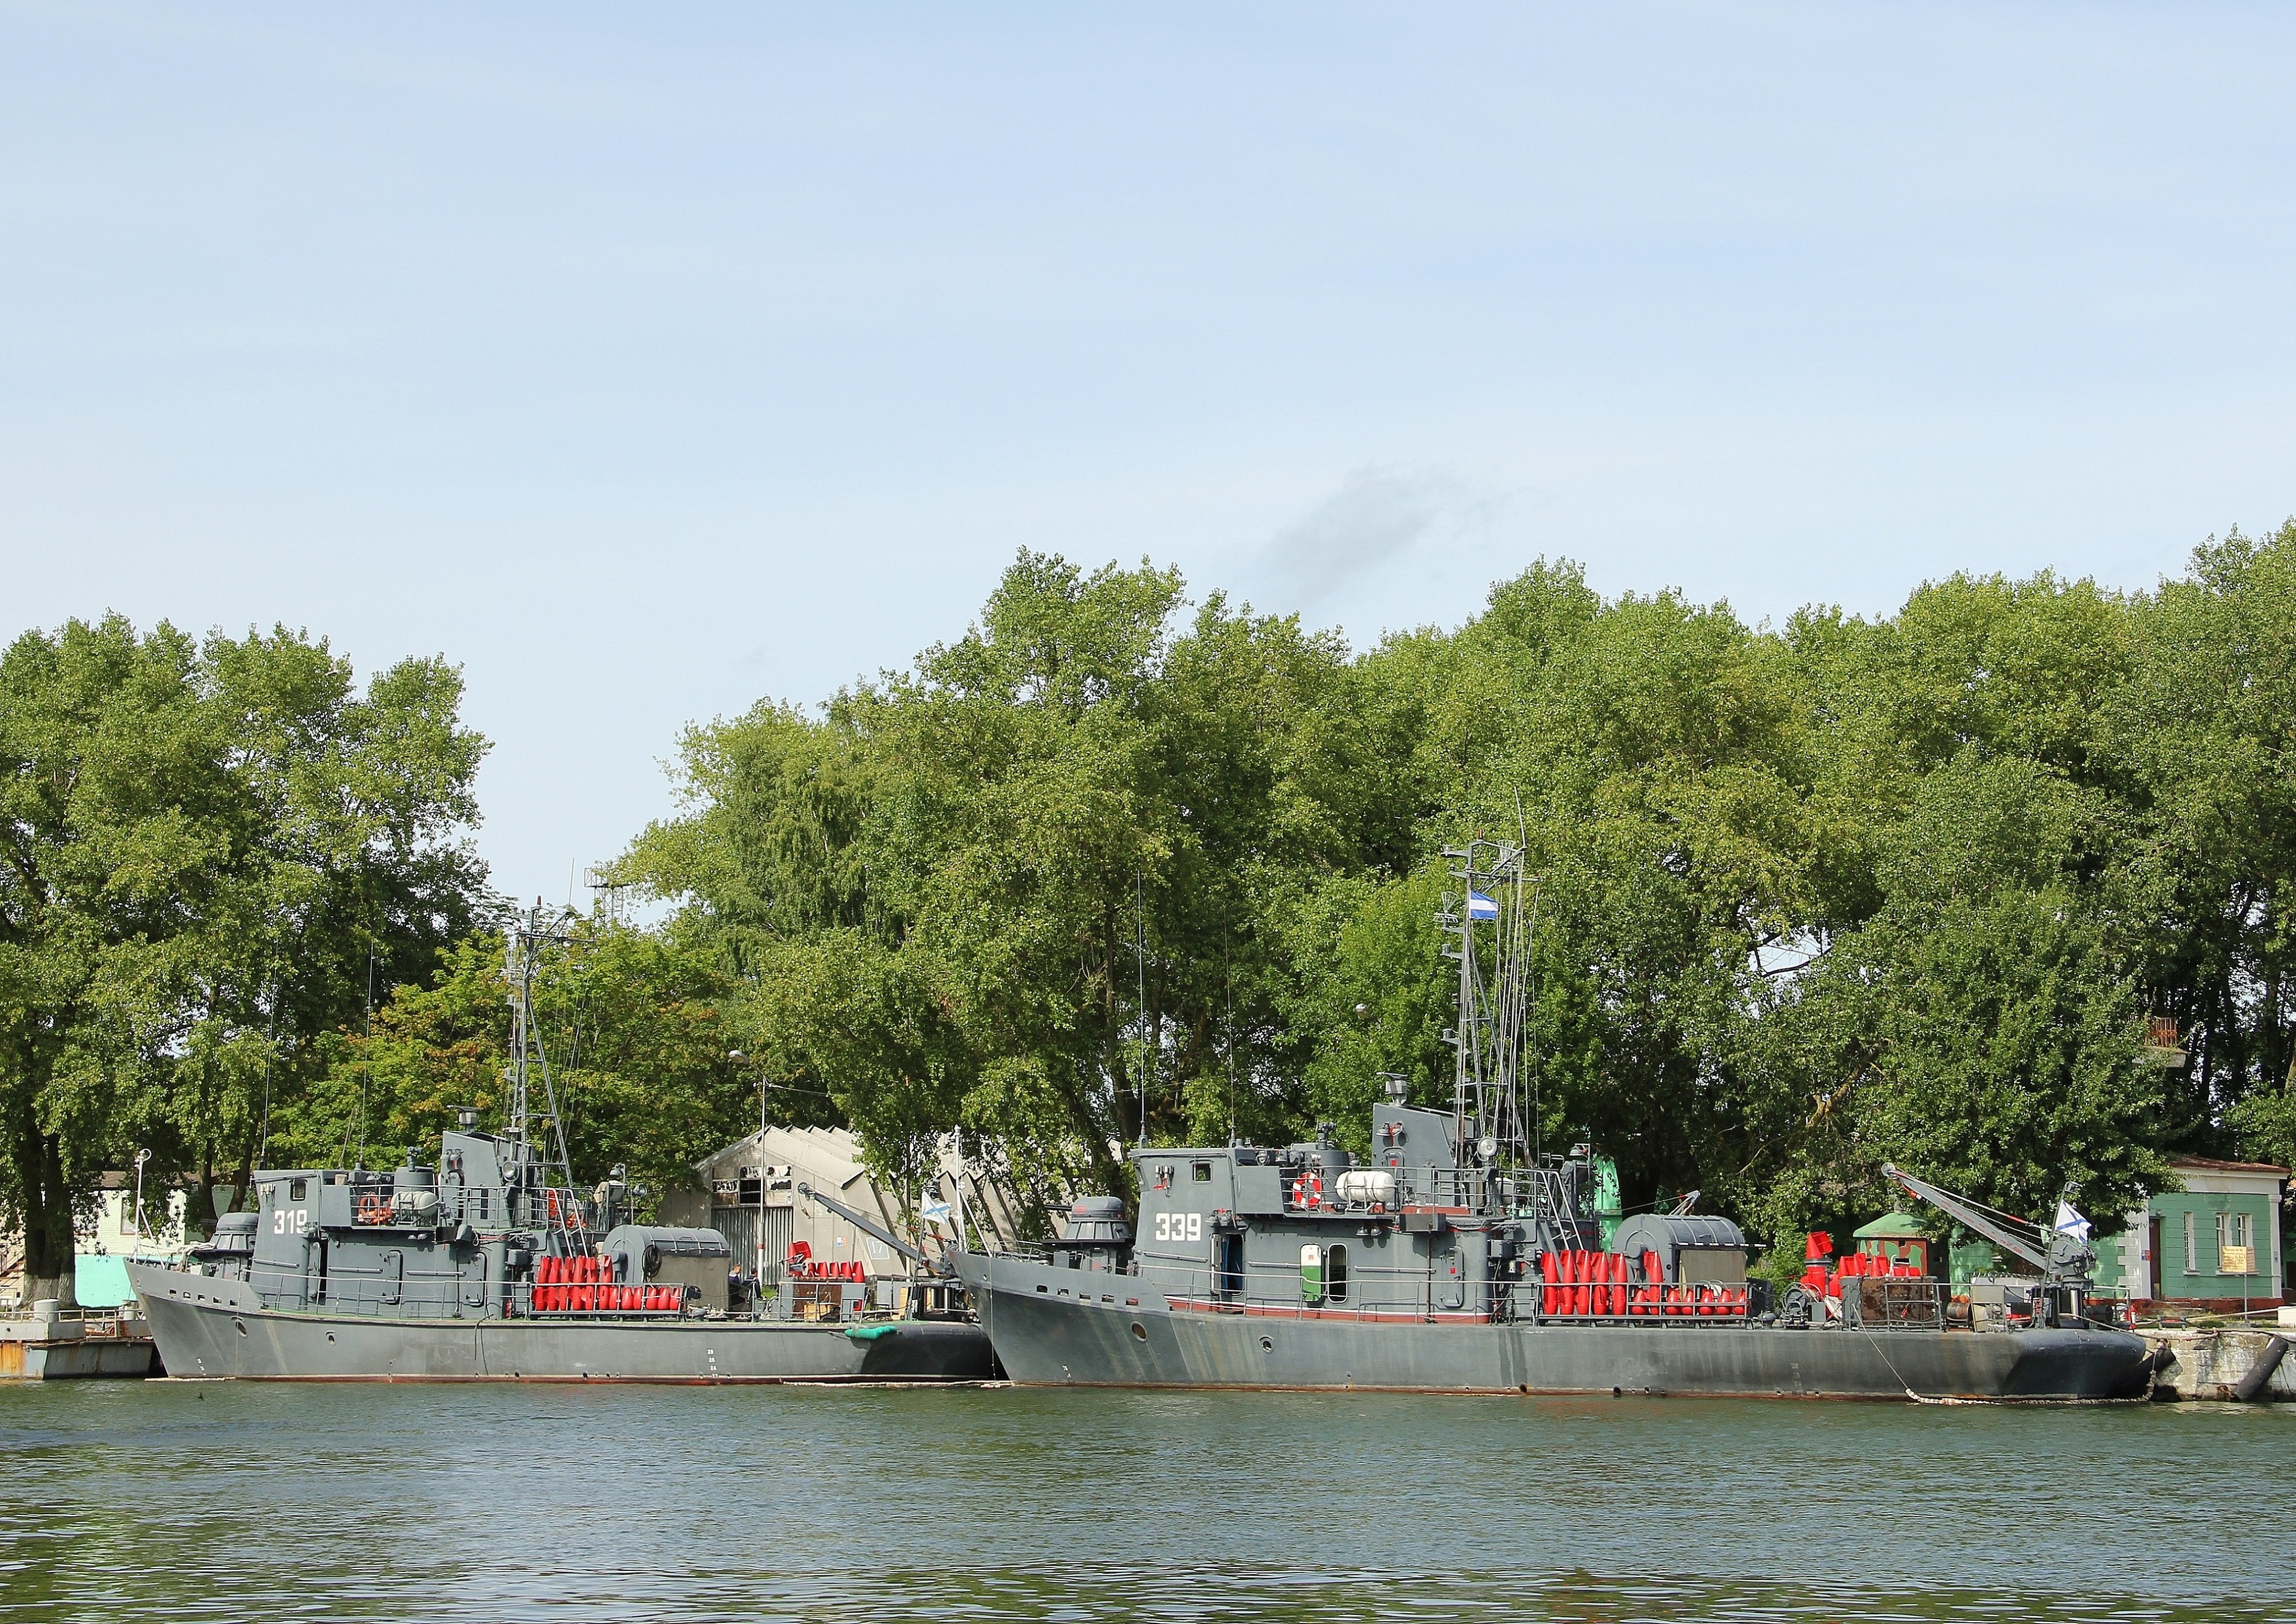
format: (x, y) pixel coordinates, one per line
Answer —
(1115, 1329)
(208, 1327)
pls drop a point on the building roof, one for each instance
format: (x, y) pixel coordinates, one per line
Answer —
(1889, 1226)
(2207, 1164)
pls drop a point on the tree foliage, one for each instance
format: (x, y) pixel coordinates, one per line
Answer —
(207, 845)
(1810, 899)
(636, 1045)
(1113, 866)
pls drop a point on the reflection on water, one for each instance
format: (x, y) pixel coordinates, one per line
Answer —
(196, 1500)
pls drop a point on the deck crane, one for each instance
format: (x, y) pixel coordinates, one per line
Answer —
(2066, 1260)
(874, 1229)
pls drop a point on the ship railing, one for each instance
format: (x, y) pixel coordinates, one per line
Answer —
(518, 1298)
(1369, 1300)
(1643, 1303)
(1883, 1303)
(1451, 1189)
(96, 1322)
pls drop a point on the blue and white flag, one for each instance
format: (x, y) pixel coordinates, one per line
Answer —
(938, 1212)
(1479, 907)
(2071, 1223)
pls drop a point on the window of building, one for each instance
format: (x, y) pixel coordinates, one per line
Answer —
(2192, 1242)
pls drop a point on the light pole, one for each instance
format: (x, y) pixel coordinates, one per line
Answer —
(142, 1156)
(758, 1279)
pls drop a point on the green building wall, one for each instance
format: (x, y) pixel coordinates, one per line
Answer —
(2119, 1263)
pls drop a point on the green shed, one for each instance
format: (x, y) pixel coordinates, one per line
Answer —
(1898, 1236)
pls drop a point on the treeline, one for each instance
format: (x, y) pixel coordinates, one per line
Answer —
(1810, 897)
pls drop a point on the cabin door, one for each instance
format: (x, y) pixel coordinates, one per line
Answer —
(1227, 1265)
(2154, 1264)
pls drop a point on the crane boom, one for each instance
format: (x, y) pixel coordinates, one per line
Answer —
(868, 1227)
(1963, 1213)
(2065, 1258)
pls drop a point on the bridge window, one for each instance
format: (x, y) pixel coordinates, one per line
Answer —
(1202, 1172)
(294, 1189)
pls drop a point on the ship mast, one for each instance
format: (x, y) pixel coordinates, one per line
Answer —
(521, 956)
(1490, 1122)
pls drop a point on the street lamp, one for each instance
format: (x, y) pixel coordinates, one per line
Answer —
(142, 1156)
(758, 1278)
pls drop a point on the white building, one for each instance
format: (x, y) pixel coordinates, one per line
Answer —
(748, 1193)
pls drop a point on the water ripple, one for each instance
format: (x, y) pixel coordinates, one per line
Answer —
(183, 1501)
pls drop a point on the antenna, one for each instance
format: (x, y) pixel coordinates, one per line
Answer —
(1140, 960)
(611, 902)
(366, 1056)
(1231, 1050)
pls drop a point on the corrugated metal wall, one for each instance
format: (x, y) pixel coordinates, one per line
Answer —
(739, 1226)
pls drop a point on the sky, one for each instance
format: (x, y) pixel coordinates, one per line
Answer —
(648, 361)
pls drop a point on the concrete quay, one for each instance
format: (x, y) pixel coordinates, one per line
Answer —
(2230, 1364)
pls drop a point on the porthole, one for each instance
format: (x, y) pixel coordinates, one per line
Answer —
(1139, 1329)
(240, 1325)
(1267, 1344)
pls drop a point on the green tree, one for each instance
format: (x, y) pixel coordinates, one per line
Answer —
(207, 846)
(635, 1036)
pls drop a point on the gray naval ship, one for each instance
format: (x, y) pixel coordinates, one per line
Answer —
(483, 1268)
(478, 1269)
(1457, 1258)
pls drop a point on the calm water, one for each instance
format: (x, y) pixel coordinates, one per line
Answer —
(185, 1501)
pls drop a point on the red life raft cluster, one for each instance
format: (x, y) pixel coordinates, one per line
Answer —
(586, 1285)
(1610, 1286)
(1821, 1281)
(802, 1265)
